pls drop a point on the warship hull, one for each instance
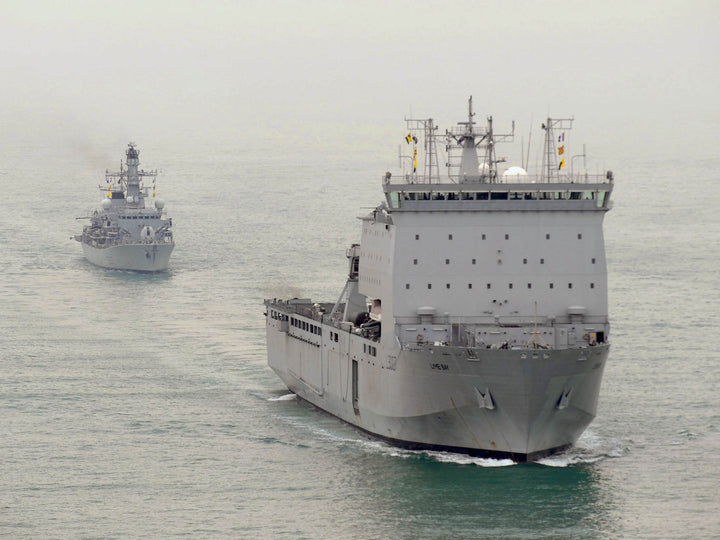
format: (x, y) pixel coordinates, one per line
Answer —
(474, 317)
(139, 257)
(520, 404)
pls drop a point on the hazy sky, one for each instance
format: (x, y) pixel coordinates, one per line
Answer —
(648, 70)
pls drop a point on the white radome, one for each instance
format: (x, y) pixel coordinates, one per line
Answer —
(515, 171)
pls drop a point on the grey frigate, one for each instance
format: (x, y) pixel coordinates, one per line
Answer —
(125, 233)
(475, 315)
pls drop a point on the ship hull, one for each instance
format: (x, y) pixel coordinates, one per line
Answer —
(139, 257)
(520, 404)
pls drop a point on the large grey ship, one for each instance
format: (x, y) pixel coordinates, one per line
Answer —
(475, 316)
(126, 234)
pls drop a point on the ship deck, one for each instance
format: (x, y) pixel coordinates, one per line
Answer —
(324, 313)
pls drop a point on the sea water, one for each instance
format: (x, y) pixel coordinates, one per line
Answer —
(141, 405)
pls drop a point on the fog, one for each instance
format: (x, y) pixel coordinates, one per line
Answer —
(641, 78)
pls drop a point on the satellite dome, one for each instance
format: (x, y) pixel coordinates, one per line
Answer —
(515, 171)
(159, 204)
(483, 169)
(106, 204)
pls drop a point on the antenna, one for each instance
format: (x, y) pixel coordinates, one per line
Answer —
(527, 160)
(572, 161)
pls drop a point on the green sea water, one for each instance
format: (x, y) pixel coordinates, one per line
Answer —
(141, 406)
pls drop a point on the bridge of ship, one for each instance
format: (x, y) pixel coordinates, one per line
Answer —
(590, 193)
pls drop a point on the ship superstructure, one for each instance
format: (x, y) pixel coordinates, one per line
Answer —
(125, 233)
(475, 316)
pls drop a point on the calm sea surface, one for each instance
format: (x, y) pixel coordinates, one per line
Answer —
(136, 405)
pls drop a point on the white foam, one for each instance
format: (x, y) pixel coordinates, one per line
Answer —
(591, 448)
(286, 397)
(462, 459)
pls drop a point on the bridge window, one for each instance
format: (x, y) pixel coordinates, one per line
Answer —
(447, 285)
(447, 261)
(473, 261)
(429, 285)
(547, 237)
(407, 285)
(579, 236)
(592, 285)
(449, 236)
(469, 285)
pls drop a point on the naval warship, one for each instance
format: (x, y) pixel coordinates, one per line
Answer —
(125, 233)
(474, 318)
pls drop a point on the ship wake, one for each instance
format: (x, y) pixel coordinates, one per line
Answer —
(590, 448)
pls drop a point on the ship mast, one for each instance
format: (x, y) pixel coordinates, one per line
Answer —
(129, 179)
(469, 165)
(469, 140)
(133, 180)
(554, 149)
(431, 168)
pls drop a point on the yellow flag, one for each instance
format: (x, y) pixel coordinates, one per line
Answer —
(408, 138)
(561, 150)
(562, 163)
(415, 160)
